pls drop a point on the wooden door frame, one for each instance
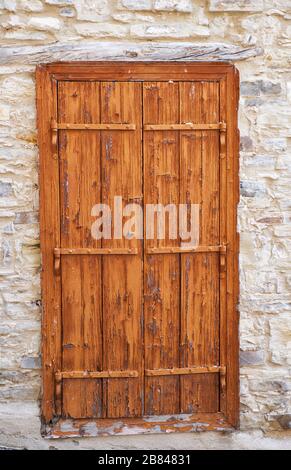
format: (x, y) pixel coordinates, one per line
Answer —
(47, 77)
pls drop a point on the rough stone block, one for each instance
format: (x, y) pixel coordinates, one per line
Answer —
(67, 12)
(137, 5)
(285, 421)
(184, 6)
(5, 189)
(45, 23)
(246, 144)
(168, 31)
(251, 188)
(280, 339)
(91, 10)
(100, 30)
(20, 35)
(4, 112)
(25, 5)
(236, 5)
(31, 362)
(60, 3)
(251, 358)
(250, 88)
(270, 88)
(26, 218)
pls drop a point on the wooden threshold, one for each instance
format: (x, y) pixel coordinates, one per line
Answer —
(103, 374)
(184, 127)
(198, 249)
(165, 424)
(185, 371)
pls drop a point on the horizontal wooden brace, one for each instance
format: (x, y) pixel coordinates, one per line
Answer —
(93, 127)
(103, 374)
(184, 127)
(198, 249)
(185, 371)
(94, 251)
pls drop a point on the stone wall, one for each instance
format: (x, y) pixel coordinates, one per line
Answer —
(253, 34)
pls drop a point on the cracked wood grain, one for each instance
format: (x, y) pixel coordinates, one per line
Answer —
(138, 51)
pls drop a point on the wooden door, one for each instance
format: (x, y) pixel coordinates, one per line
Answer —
(139, 330)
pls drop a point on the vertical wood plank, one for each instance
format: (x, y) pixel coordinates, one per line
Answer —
(79, 102)
(161, 272)
(199, 273)
(122, 275)
(49, 238)
(223, 237)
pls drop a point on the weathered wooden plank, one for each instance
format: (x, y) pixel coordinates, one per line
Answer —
(223, 238)
(81, 275)
(199, 279)
(46, 95)
(122, 275)
(161, 272)
(66, 428)
(113, 51)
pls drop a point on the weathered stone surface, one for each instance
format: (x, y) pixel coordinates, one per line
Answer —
(250, 88)
(26, 218)
(21, 35)
(91, 10)
(184, 6)
(134, 5)
(67, 12)
(45, 24)
(31, 362)
(236, 5)
(5, 189)
(270, 88)
(60, 2)
(101, 30)
(280, 339)
(251, 358)
(246, 143)
(285, 421)
(26, 5)
(256, 87)
(166, 31)
(4, 112)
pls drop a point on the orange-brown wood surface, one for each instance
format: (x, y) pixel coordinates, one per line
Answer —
(199, 183)
(145, 331)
